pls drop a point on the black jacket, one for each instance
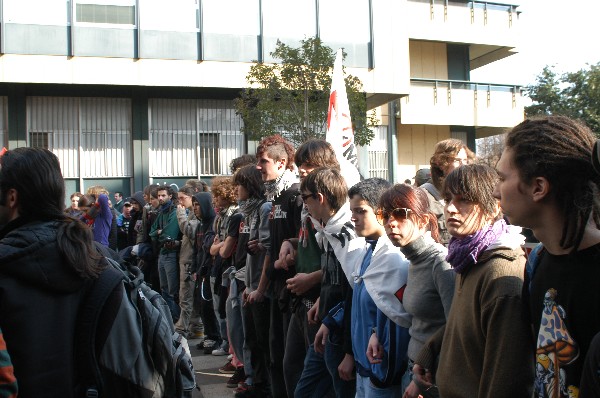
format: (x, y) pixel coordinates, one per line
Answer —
(39, 299)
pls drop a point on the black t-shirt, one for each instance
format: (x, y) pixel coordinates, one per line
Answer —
(565, 311)
(233, 231)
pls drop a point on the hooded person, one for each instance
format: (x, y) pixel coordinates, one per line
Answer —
(201, 264)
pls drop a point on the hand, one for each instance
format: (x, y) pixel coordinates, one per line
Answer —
(346, 368)
(422, 377)
(299, 284)
(216, 240)
(256, 297)
(253, 246)
(313, 313)
(245, 296)
(374, 350)
(280, 264)
(180, 207)
(412, 391)
(321, 339)
(287, 255)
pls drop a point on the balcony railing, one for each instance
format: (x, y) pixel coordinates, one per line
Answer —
(464, 103)
(491, 22)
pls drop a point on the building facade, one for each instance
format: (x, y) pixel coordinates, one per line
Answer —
(131, 92)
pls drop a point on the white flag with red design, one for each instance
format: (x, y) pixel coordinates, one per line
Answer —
(339, 123)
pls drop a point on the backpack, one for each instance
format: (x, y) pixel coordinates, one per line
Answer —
(126, 343)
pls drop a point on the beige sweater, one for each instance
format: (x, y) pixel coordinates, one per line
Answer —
(486, 348)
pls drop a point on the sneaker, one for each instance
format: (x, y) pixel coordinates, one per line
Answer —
(244, 389)
(228, 368)
(209, 348)
(195, 335)
(238, 377)
(219, 352)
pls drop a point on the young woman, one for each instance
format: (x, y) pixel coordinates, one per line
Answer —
(485, 348)
(410, 225)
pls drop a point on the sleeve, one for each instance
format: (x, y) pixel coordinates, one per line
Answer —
(443, 279)
(348, 323)
(233, 229)
(507, 369)
(264, 233)
(187, 224)
(105, 211)
(431, 349)
(171, 228)
(8, 382)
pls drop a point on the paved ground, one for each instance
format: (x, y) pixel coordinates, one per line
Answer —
(212, 383)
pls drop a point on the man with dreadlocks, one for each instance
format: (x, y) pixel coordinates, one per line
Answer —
(547, 183)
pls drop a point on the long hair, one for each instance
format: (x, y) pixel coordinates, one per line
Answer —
(35, 174)
(443, 155)
(475, 183)
(415, 199)
(560, 150)
(250, 178)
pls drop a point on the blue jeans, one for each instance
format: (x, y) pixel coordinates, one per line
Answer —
(334, 354)
(313, 382)
(168, 274)
(366, 389)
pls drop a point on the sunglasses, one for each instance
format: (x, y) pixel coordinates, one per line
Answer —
(308, 195)
(397, 214)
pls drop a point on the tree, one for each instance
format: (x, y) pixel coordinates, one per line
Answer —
(292, 97)
(574, 94)
(490, 148)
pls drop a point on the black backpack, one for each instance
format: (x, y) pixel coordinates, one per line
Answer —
(126, 343)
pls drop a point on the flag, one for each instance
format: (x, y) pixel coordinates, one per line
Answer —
(339, 123)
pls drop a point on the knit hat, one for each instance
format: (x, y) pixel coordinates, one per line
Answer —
(137, 197)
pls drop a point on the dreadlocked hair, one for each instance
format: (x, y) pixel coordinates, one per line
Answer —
(560, 150)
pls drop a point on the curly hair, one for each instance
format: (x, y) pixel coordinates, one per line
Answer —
(560, 150)
(277, 148)
(224, 188)
(443, 155)
(415, 199)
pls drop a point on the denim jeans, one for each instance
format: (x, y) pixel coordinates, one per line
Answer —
(366, 389)
(222, 322)
(237, 332)
(313, 382)
(334, 354)
(168, 274)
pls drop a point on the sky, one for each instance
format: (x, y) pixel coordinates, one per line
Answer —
(563, 33)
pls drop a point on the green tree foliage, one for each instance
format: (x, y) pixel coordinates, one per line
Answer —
(292, 97)
(573, 94)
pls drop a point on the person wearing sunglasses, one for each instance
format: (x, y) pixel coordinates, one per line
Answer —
(485, 347)
(410, 225)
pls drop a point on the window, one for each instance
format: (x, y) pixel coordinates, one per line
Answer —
(39, 139)
(109, 14)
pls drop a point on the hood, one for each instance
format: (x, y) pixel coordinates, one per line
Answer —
(138, 197)
(30, 254)
(206, 206)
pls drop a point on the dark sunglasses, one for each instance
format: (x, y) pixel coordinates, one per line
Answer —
(397, 214)
(308, 195)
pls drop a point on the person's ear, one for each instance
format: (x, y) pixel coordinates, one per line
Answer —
(540, 189)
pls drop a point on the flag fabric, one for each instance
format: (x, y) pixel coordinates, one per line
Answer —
(340, 133)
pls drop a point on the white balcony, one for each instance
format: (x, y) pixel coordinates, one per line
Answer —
(462, 103)
(491, 29)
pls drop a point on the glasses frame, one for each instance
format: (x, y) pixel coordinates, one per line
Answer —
(308, 195)
(384, 216)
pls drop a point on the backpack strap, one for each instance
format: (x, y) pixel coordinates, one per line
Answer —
(429, 187)
(101, 302)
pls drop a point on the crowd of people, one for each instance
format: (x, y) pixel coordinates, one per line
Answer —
(317, 282)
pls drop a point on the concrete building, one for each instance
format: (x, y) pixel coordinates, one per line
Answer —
(129, 92)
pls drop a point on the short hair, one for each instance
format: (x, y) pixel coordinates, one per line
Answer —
(187, 190)
(370, 190)
(198, 185)
(250, 178)
(223, 187)
(443, 155)
(86, 201)
(413, 198)
(560, 150)
(35, 173)
(78, 194)
(277, 148)
(475, 183)
(317, 153)
(241, 161)
(164, 188)
(329, 183)
(119, 193)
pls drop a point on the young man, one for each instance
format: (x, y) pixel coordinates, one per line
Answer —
(275, 162)
(118, 206)
(165, 232)
(46, 261)
(73, 210)
(324, 192)
(547, 183)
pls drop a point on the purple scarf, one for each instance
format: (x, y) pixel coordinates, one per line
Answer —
(466, 251)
